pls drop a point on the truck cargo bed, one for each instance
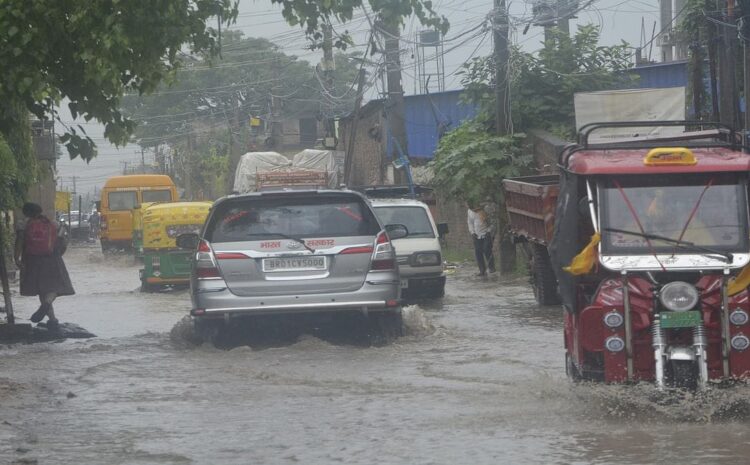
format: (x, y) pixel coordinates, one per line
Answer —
(531, 202)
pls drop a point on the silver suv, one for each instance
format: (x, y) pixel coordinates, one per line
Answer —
(294, 252)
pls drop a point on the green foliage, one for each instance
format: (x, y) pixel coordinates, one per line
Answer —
(543, 83)
(210, 92)
(17, 161)
(470, 163)
(309, 14)
(93, 51)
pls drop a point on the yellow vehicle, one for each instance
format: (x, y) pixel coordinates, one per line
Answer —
(163, 262)
(120, 195)
(138, 229)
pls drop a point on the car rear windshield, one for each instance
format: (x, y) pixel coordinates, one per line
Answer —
(156, 196)
(255, 219)
(414, 218)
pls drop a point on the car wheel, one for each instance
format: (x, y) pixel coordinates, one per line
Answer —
(385, 327)
(209, 331)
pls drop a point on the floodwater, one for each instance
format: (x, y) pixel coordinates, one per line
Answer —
(479, 379)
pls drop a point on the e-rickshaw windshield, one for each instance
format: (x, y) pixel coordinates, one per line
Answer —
(706, 211)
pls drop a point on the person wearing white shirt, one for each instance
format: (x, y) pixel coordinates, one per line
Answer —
(481, 231)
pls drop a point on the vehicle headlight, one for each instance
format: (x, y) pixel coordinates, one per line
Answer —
(679, 296)
(739, 317)
(740, 342)
(426, 259)
(613, 319)
(614, 344)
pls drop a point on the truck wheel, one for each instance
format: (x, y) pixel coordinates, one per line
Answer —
(543, 279)
(385, 327)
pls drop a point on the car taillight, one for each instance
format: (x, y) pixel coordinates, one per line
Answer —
(356, 250)
(383, 258)
(205, 265)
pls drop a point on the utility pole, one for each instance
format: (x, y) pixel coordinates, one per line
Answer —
(349, 160)
(277, 132)
(728, 110)
(143, 162)
(502, 120)
(395, 112)
(328, 67)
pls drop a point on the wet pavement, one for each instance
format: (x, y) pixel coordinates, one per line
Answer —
(479, 379)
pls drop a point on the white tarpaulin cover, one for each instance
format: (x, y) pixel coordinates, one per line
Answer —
(319, 160)
(630, 105)
(254, 162)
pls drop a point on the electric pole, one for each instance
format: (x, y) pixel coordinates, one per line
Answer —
(502, 120)
(349, 160)
(328, 67)
(394, 106)
(728, 108)
(143, 162)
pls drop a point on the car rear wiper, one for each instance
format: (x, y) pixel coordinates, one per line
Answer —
(285, 236)
(728, 257)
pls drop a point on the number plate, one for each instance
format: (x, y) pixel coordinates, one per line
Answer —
(306, 263)
(404, 283)
(680, 319)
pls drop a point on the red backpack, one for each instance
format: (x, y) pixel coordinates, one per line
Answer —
(39, 236)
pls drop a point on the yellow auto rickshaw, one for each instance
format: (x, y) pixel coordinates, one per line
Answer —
(138, 229)
(163, 262)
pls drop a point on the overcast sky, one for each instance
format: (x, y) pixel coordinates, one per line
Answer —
(619, 20)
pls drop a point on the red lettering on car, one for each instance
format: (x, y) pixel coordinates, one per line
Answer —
(270, 245)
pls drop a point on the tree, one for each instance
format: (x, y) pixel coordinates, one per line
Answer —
(543, 83)
(92, 52)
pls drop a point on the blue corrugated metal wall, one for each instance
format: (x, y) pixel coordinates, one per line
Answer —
(661, 75)
(427, 115)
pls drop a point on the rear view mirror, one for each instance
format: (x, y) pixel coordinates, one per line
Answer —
(396, 231)
(188, 241)
(442, 229)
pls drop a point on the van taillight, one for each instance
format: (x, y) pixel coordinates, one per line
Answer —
(103, 222)
(205, 265)
(383, 259)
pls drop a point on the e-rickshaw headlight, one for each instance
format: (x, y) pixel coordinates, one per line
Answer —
(740, 342)
(613, 319)
(614, 344)
(679, 296)
(739, 317)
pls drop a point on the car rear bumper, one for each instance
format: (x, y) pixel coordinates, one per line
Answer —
(215, 300)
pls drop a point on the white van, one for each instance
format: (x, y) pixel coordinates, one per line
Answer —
(420, 258)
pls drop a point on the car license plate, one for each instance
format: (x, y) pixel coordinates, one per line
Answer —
(404, 283)
(680, 319)
(306, 263)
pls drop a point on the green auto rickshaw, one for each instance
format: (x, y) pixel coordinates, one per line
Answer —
(164, 264)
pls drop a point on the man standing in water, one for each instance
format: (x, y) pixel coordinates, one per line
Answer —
(38, 254)
(481, 231)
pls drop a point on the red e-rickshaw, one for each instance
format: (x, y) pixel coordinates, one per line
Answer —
(650, 249)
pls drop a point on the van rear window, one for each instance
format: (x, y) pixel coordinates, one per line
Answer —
(119, 201)
(263, 218)
(156, 196)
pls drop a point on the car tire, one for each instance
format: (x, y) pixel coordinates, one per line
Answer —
(544, 281)
(209, 331)
(385, 327)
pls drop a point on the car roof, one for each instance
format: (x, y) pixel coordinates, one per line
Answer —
(397, 202)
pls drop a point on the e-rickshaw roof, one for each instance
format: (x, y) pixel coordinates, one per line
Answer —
(718, 149)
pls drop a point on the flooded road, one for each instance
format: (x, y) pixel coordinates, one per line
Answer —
(479, 379)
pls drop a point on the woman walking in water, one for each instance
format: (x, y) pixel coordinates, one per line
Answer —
(38, 254)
